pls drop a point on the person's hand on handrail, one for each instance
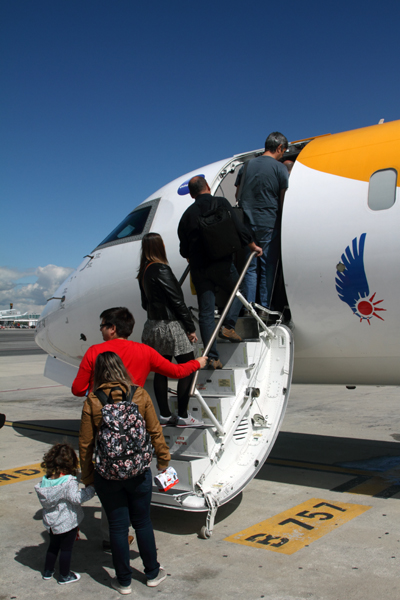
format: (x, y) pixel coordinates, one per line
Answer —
(203, 361)
(254, 248)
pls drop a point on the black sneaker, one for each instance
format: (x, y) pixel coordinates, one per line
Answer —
(70, 578)
(47, 574)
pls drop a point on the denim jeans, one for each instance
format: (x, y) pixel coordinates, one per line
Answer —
(124, 501)
(268, 239)
(225, 276)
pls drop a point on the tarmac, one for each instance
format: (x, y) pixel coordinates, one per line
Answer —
(338, 449)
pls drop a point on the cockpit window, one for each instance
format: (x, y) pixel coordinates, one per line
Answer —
(134, 226)
(382, 189)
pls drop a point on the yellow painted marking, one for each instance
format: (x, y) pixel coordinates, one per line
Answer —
(20, 474)
(355, 154)
(297, 527)
(315, 466)
(371, 487)
(33, 427)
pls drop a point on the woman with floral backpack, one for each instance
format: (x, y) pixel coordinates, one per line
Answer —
(120, 425)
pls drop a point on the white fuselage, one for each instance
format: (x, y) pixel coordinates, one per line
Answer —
(325, 209)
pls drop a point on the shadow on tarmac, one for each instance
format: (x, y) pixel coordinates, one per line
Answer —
(293, 452)
(87, 555)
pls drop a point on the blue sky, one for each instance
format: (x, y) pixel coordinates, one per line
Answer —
(105, 101)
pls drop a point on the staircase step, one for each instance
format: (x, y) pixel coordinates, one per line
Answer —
(189, 471)
(247, 328)
(235, 356)
(219, 406)
(221, 382)
(188, 442)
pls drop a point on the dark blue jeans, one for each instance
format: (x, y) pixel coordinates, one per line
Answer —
(269, 240)
(126, 500)
(223, 275)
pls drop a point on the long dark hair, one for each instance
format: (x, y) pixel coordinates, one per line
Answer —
(153, 250)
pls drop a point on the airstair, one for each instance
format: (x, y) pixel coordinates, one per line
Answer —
(242, 406)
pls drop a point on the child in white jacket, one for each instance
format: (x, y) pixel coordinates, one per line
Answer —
(61, 498)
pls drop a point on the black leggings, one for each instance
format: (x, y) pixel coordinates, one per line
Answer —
(161, 388)
(63, 543)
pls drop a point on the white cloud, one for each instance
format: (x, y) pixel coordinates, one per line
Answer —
(30, 297)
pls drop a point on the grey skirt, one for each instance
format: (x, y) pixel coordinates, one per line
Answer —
(167, 337)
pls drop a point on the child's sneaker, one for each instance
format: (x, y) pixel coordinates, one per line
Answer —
(70, 578)
(47, 574)
(157, 580)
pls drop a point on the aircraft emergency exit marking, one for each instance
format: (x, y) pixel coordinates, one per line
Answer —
(352, 284)
(298, 527)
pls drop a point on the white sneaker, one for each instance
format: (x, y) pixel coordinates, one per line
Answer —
(189, 422)
(122, 589)
(157, 580)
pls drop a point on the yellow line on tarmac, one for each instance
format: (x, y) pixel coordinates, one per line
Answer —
(33, 427)
(20, 474)
(371, 487)
(315, 466)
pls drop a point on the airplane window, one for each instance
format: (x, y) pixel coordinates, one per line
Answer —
(133, 227)
(382, 189)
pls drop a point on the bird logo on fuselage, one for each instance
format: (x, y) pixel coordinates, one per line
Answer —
(352, 284)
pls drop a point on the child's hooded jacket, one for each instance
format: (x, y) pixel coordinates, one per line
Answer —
(61, 499)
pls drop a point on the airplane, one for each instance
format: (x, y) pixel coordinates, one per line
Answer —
(339, 259)
(340, 274)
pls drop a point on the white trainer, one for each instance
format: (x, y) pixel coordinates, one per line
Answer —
(122, 589)
(189, 422)
(157, 580)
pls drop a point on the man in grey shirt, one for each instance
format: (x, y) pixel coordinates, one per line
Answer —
(261, 197)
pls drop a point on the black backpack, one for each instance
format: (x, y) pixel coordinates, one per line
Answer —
(123, 446)
(218, 232)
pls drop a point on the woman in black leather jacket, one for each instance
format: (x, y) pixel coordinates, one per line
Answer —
(169, 328)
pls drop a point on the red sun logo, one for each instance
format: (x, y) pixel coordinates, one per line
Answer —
(366, 309)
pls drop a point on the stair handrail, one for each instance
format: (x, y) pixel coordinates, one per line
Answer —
(184, 275)
(224, 313)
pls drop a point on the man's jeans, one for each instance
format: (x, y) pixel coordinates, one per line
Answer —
(129, 500)
(205, 282)
(268, 239)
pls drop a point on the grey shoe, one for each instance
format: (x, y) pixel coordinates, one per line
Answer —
(171, 420)
(122, 589)
(189, 421)
(157, 580)
(70, 578)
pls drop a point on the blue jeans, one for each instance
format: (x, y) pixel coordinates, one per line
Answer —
(268, 239)
(126, 500)
(225, 276)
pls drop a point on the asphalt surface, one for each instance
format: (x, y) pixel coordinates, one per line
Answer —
(337, 447)
(18, 342)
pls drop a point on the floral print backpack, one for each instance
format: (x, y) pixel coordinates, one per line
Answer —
(123, 447)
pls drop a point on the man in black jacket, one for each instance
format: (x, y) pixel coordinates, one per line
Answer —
(207, 274)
